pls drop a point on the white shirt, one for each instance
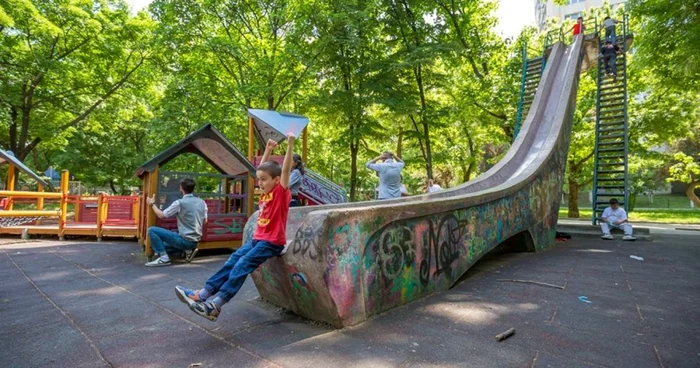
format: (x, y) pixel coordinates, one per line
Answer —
(389, 178)
(434, 188)
(613, 216)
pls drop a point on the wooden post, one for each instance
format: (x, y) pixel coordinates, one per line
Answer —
(304, 145)
(227, 191)
(150, 215)
(65, 177)
(40, 203)
(251, 176)
(143, 210)
(11, 178)
(101, 214)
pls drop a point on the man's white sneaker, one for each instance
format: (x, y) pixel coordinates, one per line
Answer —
(629, 238)
(607, 237)
(158, 263)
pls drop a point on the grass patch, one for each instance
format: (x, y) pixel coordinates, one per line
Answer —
(689, 216)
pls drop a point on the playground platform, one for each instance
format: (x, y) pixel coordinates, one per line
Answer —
(86, 304)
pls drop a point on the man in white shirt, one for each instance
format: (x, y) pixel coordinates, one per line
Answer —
(432, 186)
(615, 217)
(389, 172)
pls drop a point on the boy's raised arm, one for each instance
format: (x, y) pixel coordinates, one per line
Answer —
(268, 150)
(287, 164)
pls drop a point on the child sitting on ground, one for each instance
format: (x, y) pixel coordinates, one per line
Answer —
(268, 240)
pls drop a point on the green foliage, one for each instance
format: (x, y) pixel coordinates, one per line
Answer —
(686, 170)
(62, 61)
(87, 86)
(668, 40)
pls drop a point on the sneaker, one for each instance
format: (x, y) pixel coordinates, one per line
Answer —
(629, 238)
(187, 296)
(607, 237)
(158, 263)
(207, 310)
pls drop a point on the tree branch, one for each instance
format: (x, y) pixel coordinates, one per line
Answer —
(97, 103)
(495, 115)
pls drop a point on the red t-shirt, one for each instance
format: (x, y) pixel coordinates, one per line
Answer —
(577, 28)
(272, 221)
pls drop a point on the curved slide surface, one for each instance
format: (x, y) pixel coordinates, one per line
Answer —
(347, 262)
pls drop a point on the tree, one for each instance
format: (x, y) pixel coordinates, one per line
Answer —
(579, 166)
(687, 170)
(242, 54)
(60, 62)
(667, 44)
(348, 81)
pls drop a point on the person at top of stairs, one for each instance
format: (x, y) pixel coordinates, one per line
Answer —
(615, 217)
(609, 54)
(578, 26)
(609, 27)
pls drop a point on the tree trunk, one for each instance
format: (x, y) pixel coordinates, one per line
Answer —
(418, 71)
(573, 199)
(399, 143)
(354, 145)
(111, 186)
(690, 192)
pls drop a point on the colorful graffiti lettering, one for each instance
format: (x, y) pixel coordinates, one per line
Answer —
(319, 192)
(233, 225)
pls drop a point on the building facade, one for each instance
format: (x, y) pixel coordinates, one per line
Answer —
(545, 9)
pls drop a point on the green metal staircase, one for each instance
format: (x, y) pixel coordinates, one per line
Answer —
(610, 179)
(532, 72)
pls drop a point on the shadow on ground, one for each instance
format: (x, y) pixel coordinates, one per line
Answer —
(78, 304)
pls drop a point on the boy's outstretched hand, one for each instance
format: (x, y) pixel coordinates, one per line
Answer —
(271, 144)
(291, 135)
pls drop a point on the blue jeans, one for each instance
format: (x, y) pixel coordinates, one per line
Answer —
(164, 240)
(229, 279)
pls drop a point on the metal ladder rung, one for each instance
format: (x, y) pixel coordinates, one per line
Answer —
(611, 171)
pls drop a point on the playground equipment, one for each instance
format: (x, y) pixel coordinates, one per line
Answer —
(92, 216)
(610, 176)
(266, 124)
(227, 194)
(345, 263)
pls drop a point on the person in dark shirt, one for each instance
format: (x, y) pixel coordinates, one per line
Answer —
(609, 54)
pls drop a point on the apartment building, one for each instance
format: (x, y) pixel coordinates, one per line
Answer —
(545, 9)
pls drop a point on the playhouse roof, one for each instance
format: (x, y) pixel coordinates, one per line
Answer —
(9, 157)
(276, 125)
(211, 145)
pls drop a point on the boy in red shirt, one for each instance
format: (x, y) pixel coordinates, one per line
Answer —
(578, 27)
(267, 242)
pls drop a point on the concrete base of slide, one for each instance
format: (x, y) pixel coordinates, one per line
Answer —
(346, 263)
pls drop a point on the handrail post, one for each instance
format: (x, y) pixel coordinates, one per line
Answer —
(101, 210)
(11, 178)
(64, 203)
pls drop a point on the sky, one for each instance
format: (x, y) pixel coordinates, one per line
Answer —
(513, 15)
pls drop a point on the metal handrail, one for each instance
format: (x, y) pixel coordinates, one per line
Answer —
(326, 183)
(521, 98)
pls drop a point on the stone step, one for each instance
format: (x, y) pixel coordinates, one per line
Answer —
(586, 230)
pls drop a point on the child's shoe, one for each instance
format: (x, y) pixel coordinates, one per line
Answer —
(160, 262)
(629, 238)
(607, 237)
(187, 296)
(207, 310)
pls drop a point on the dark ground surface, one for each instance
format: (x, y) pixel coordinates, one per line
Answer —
(89, 304)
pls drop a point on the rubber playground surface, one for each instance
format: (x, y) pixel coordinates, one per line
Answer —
(89, 304)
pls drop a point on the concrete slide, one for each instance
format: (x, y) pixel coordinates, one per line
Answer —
(348, 262)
